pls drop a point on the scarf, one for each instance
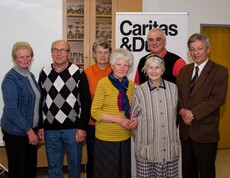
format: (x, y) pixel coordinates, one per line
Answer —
(122, 99)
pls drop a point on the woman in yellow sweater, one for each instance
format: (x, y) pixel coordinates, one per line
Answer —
(111, 110)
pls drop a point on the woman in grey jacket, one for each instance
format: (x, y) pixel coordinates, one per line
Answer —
(156, 136)
(19, 122)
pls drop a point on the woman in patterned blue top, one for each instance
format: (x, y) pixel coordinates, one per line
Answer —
(19, 122)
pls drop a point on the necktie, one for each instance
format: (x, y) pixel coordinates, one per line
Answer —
(195, 77)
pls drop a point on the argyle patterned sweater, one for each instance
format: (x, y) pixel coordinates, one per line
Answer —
(66, 98)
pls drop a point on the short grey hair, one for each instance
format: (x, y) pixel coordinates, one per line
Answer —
(157, 29)
(201, 37)
(122, 54)
(153, 58)
(101, 42)
(62, 41)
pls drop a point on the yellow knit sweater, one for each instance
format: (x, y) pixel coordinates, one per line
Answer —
(105, 102)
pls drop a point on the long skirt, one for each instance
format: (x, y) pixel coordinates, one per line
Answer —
(112, 159)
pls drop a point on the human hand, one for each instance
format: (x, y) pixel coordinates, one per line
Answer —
(124, 122)
(80, 135)
(187, 116)
(33, 138)
(40, 134)
(133, 123)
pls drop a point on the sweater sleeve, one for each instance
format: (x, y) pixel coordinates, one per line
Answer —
(98, 102)
(180, 63)
(41, 124)
(135, 109)
(11, 97)
(85, 100)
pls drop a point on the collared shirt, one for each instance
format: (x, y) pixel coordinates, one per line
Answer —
(201, 66)
(60, 70)
(152, 86)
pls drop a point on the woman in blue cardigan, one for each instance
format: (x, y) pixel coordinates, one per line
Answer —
(19, 122)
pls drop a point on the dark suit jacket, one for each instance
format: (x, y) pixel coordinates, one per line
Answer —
(205, 100)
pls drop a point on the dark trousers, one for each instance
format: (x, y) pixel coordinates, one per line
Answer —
(90, 139)
(198, 159)
(22, 157)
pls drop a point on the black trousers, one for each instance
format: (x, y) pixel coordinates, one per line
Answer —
(198, 159)
(90, 139)
(22, 157)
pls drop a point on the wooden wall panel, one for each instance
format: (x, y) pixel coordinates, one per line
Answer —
(129, 6)
(220, 46)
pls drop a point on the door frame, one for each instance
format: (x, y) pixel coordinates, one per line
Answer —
(224, 121)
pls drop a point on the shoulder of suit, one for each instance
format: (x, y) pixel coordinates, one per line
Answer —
(190, 65)
(217, 64)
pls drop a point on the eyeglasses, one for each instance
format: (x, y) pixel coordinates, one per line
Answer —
(62, 51)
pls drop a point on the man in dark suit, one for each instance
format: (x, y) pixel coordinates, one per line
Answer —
(202, 91)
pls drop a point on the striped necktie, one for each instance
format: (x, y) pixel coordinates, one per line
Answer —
(195, 77)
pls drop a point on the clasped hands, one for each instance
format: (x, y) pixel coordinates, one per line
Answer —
(187, 116)
(129, 124)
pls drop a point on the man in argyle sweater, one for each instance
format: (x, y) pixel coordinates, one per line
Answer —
(65, 111)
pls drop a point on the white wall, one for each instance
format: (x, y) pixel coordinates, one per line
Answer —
(200, 11)
(38, 22)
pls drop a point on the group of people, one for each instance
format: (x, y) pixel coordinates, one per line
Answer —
(172, 110)
(56, 109)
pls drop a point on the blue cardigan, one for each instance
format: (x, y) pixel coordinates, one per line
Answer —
(19, 101)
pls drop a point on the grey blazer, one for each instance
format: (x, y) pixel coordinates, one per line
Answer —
(205, 100)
